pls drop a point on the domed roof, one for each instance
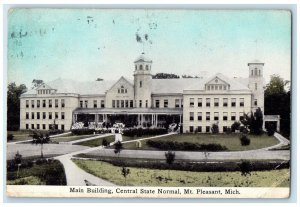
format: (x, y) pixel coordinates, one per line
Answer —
(142, 58)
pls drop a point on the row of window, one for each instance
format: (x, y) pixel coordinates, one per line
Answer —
(178, 103)
(216, 87)
(122, 90)
(43, 126)
(216, 116)
(216, 102)
(43, 115)
(122, 103)
(206, 129)
(44, 91)
(95, 104)
(147, 67)
(43, 103)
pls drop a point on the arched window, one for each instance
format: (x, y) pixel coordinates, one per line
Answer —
(141, 67)
(255, 71)
(147, 67)
(259, 72)
(122, 89)
(141, 84)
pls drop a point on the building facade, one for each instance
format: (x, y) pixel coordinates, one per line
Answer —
(196, 103)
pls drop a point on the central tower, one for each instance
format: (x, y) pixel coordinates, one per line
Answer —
(142, 82)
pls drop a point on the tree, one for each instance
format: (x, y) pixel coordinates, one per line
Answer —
(254, 122)
(105, 142)
(164, 76)
(125, 173)
(170, 158)
(18, 161)
(13, 105)
(244, 140)
(215, 128)
(36, 83)
(99, 79)
(245, 167)
(40, 138)
(235, 126)
(278, 102)
(118, 147)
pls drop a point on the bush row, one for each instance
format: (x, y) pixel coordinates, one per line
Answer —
(141, 132)
(185, 146)
(82, 131)
(200, 166)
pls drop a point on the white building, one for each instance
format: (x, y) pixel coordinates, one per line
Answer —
(197, 103)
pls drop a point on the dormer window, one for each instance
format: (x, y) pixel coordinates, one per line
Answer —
(122, 90)
(141, 67)
(147, 67)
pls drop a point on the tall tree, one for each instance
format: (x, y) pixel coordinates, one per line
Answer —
(170, 158)
(164, 76)
(13, 105)
(277, 102)
(36, 83)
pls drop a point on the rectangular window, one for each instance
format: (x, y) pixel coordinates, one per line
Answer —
(32, 115)
(225, 116)
(118, 103)
(225, 102)
(131, 103)
(62, 115)
(32, 103)
(102, 104)
(27, 126)
(50, 103)
(241, 102)
(255, 102)
(44, 126)
(208, 102)
(38, 115)
(63, 127)
(191, 129)
(27, 115)
(50, 126)
(216, 102)
(85, 103)
(50, 115)
(81, 104)
(146, 104)
(140, 103)
(207, 129)
(233, 116)
(199, 102)
(191, 116)
(38, 126)
(241, 116)
(181, 103)
(207, 116)
(122, 104)
(225, 129)
(216, 116)
(166, 103)
(157, 103)
(62, 103)
(199, 129)
(56, 103)
(38, 103)
(113, 103)
(56, 115)
(32, 126)
(177, 103)
(199, 116)
(233, 102)
(44, 115)
(126, 103)
(192, 102)
(27, 103)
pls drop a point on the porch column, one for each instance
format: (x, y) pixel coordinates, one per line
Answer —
(278, 125)
(263, 126)
(180, 118)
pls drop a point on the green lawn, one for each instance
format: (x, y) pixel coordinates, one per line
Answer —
(231, 141)
(97, 142)
(20, 135)
(70, 137)
(155, 177)
(50, 173)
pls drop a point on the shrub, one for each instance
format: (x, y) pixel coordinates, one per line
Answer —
(82, 131)
(55, 131)
(185, 146)
(138, 132)
(235, 126)
(244, 140)
(245, 168)
(271, 128)
(10, 137)
(244, 130)
(215, 129)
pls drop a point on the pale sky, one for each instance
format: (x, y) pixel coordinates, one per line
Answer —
(84, 44)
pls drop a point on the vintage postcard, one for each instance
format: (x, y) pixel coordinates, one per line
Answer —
(148, 103)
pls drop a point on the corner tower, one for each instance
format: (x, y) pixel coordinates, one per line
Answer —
(256, 84)
(142, 82)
